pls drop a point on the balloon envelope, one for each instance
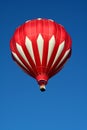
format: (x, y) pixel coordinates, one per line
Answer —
(41, 47)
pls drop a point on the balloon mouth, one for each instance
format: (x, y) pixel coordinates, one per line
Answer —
(42, 81)
(42, 84)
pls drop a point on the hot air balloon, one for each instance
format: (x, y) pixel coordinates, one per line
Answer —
(41, 47)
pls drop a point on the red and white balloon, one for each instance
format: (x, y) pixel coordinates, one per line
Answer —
(41, 47)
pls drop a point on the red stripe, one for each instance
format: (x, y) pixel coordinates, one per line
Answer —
(57, 40)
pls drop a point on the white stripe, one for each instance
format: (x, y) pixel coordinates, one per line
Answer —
(20, 50)
(63, 58)
(51, 20)
(17, 58)
(40, 42)
(39, 18)
(51, 47)
(28, 44)
(27, 21)
(59, 51)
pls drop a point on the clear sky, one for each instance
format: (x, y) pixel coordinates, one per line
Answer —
(63, 106)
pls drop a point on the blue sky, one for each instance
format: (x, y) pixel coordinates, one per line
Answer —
(64, 104)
